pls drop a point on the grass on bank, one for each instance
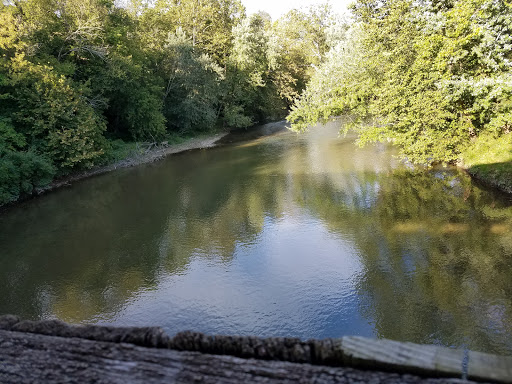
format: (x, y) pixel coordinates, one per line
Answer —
(489, 159)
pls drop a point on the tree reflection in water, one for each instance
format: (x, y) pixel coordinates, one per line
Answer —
(433, 250)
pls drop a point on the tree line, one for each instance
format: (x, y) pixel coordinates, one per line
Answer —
(77, 76)
(432, 76)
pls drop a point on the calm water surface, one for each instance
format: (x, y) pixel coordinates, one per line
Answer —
(288, 235)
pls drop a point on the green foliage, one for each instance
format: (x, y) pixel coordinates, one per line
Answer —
(253, 89)
(21, 173)
(247, 77)
(234, 117)
(119, 150)
(53, 114)
(490, 158)
(192, 93)
(77, 75)
(326, 95)
(298, 43)
(429, 76)
(208, 24)
(9, 138)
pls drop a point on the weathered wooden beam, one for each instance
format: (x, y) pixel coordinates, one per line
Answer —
(483, 366)
(34, 358)
(396, 356)
(144, 336)
(354, 352)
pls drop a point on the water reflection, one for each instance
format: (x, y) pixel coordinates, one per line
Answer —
(437, 255)
(304, 236)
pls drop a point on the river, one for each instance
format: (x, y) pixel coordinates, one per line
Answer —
(279, 235)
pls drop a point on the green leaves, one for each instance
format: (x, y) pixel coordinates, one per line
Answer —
(192, 92)
(433, 75)
(21, 173)
(9, 138)
(76, 74)
(54, 116)
(208, 24)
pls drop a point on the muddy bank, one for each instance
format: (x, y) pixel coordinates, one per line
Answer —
(158, 152)
(163, 150)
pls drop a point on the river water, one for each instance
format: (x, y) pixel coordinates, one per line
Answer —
(280, 235)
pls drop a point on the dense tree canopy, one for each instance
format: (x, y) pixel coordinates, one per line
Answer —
(431, 76)
(77, 74)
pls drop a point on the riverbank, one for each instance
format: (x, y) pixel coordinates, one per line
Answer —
(136, 155)
(152, 154)
(489, 160)
(498, 176)
(131, 154)
(158, 151)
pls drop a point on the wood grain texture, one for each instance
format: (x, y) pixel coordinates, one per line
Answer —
(483, 366)
(35, 358)
(402, 357)
(53, 348)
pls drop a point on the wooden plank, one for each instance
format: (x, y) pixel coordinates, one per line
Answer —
(359, 352)
(483, 366)
(143, 336)
(402, 357)
(35, 358)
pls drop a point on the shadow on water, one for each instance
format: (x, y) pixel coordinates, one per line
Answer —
(297, 235)
(255, 132)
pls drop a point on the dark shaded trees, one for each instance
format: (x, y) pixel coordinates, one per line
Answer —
(75, 75)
